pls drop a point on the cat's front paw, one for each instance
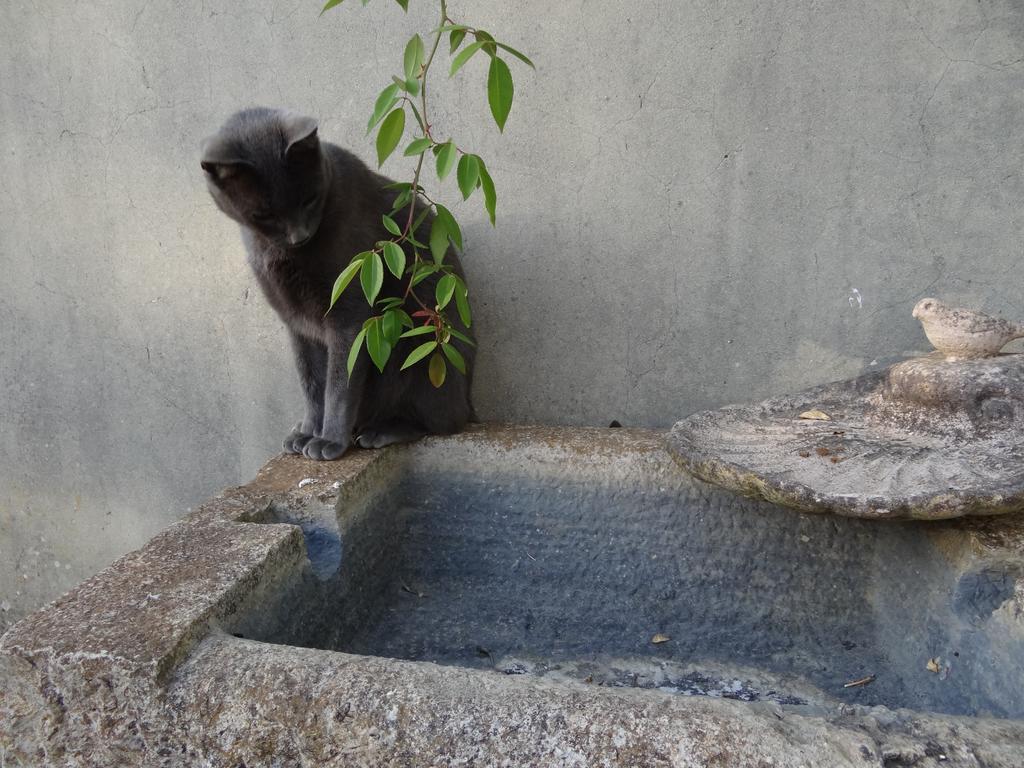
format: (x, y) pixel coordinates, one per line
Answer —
(322, 449)
(296, 440)
(379, 438)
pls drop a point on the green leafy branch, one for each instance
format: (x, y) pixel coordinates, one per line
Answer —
(412, 206)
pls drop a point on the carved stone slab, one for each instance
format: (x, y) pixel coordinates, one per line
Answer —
(926, 439)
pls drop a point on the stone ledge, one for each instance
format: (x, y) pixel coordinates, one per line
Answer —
(131, 668)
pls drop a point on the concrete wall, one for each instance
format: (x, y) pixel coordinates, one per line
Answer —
(698, 203)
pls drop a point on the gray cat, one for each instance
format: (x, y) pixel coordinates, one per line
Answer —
(306, 208)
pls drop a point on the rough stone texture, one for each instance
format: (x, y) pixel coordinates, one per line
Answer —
(495, 564)
(137, 665)
(699, 203)
(929, 439)
(968, 401)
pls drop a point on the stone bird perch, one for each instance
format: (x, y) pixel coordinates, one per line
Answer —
(929, 438)
(964, 333)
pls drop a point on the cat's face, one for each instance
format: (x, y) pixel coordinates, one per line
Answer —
(265, 170)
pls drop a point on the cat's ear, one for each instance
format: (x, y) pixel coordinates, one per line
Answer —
(300, 133)
(219, 158)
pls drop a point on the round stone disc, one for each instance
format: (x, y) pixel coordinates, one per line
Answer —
(862, 461)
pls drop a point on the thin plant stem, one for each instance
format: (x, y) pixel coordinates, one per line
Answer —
(425, 125)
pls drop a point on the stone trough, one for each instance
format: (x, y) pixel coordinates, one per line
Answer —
(527, 596)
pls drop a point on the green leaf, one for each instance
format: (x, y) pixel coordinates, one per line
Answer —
(522, 57)
(465, 55)
(449, 28)
(487, 185)
(330, 4)
(444, 290)
(462, 303)
(438, 240)
(404, 4)
(353, 354)
(404, 318)
(377, 345)
(419, 353)
(390, 134)
(446, 157)
(419, 219)
(419, 331)
(455, 39)
(409, 86)
(437, 369)
(387, 99)
(454, 357)
(450, 225)
(391, 326)
(468, 175)
(499, 91)
(391, 226)
(401, 201)
(419, 117)
(413, 57)
(423, 271)
(390, 303)
(417, 147)
(462, 337)
(343, 280)
(394, 256)
(371, 276)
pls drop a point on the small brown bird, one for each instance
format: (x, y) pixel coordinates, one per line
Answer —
(964, 333)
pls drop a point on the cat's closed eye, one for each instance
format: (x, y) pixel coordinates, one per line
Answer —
(309, 202)
(261, 218)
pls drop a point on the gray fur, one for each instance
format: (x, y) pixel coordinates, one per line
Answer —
(306, 208)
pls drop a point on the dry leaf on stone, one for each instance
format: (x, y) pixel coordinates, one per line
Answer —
(860, 682)
(934, 665)
(660, 638)
(815, 414)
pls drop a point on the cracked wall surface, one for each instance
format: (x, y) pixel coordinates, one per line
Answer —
(699, 203)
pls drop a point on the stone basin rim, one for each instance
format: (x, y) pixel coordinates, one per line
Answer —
(165, 662)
